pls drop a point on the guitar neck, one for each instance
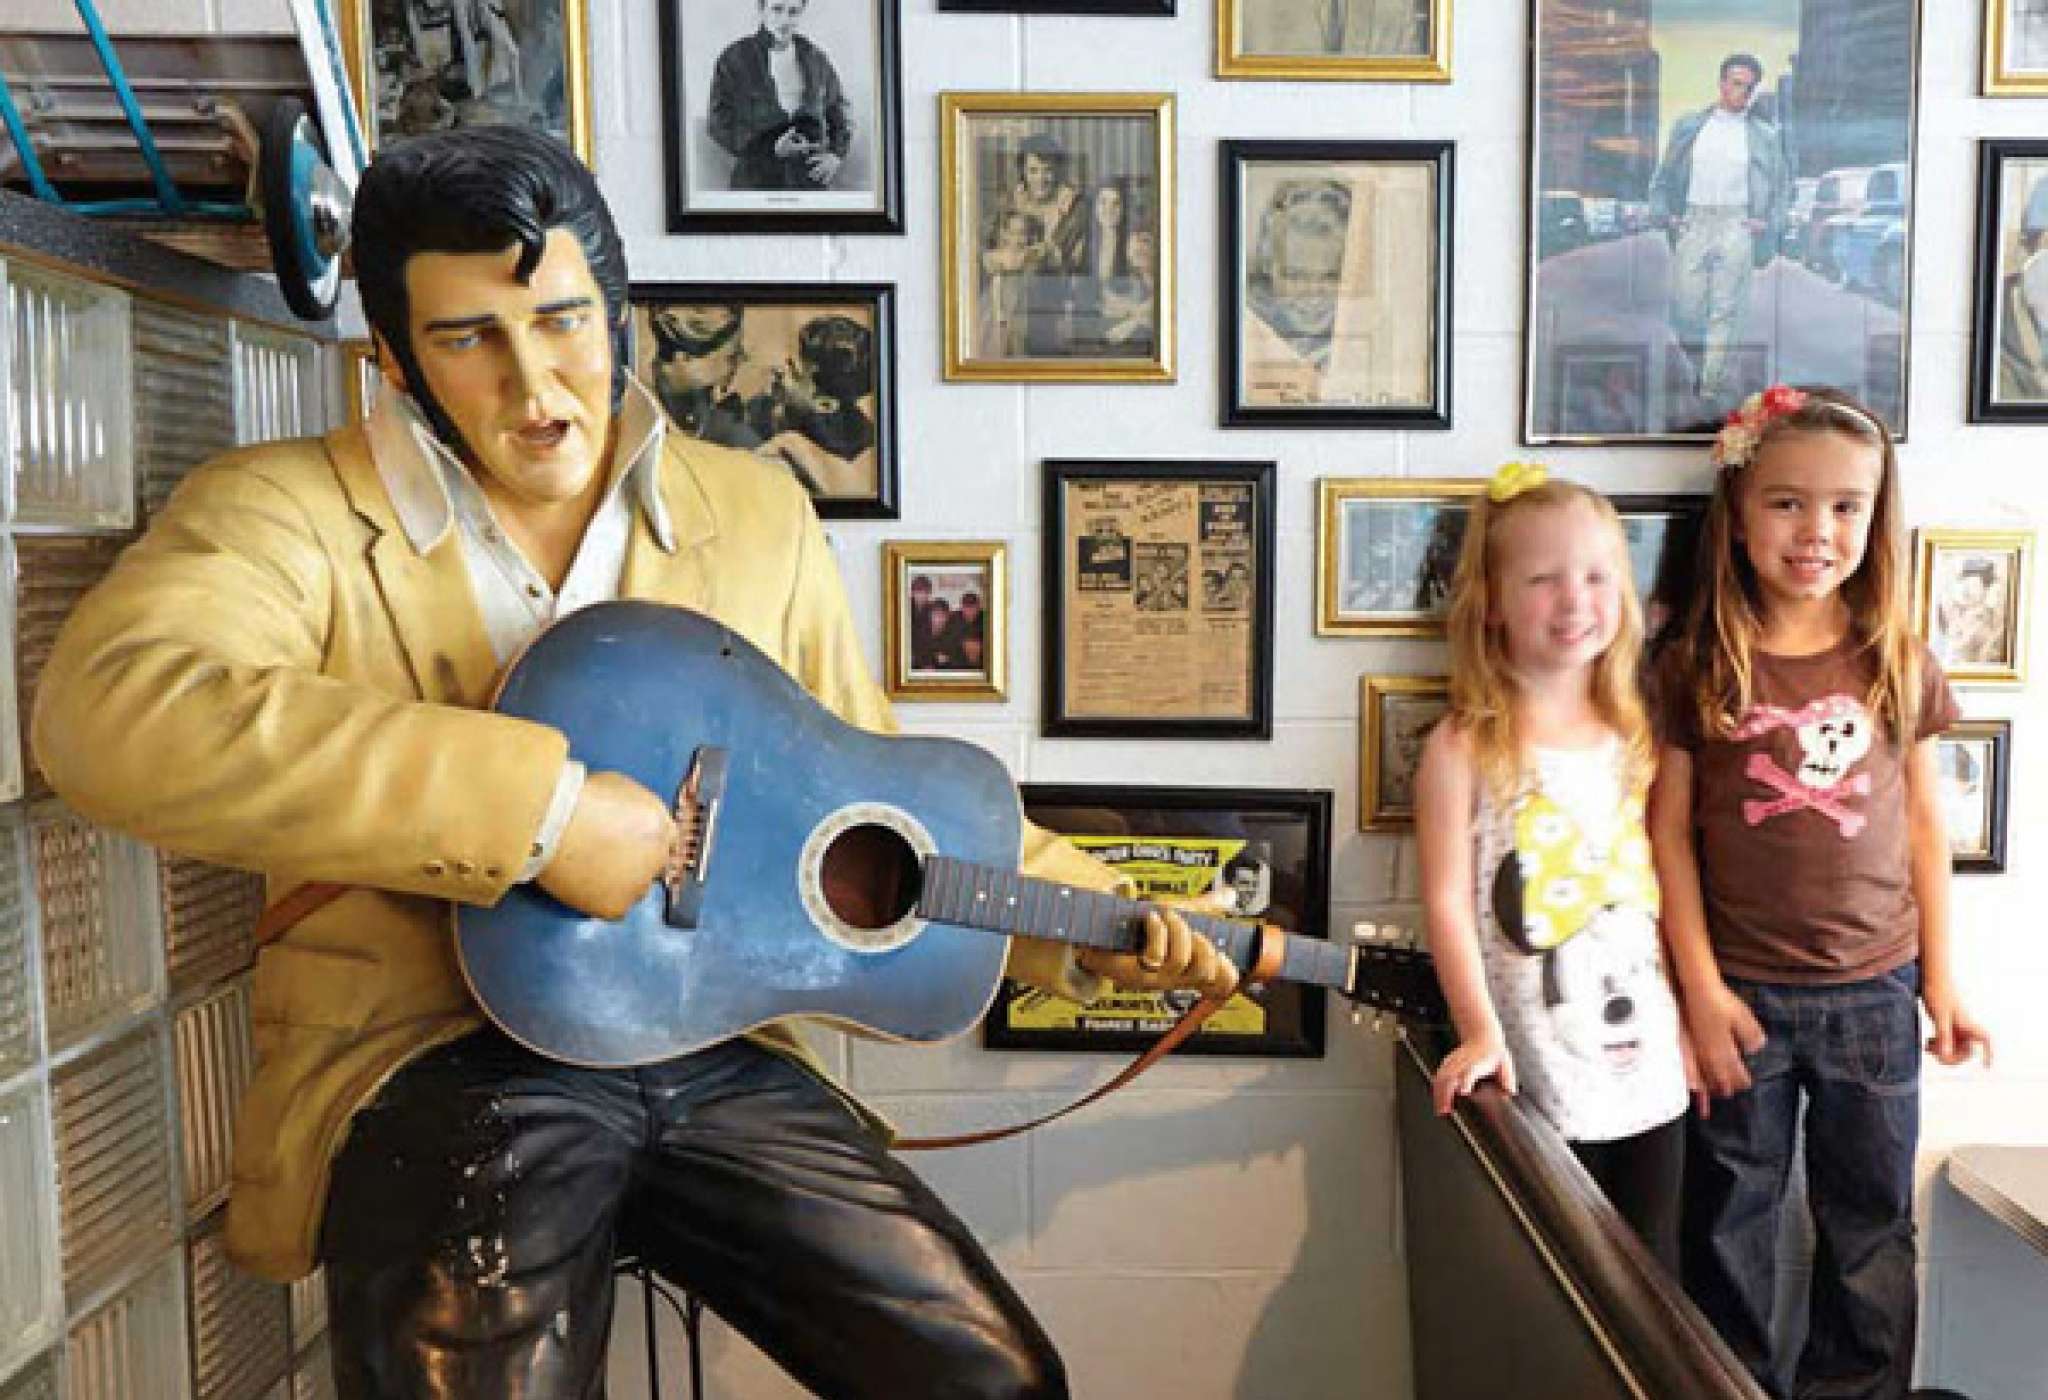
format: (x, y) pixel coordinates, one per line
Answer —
(1002, 901)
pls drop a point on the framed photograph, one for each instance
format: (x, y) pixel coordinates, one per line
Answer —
(1337, 284)
(1396, 714)
(2015, 48)
(1059, 7)
(1159, 600)
(1975, 761)
(1663, 552)
(1269, 847)
(1717, 203)
(1970, 598)
(429, 65)
(1368, 41)
(946, 619)
(2009, 341)
(742, 161)
(1058, 237)
(801, 373)
(1386, 552)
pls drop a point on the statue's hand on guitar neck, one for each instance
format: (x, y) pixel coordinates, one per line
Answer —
(1174, 958)
(616, 844)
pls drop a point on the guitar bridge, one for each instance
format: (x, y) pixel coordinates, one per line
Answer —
(696, 814)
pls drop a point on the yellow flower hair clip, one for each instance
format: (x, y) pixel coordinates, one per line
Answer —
(1513, 479)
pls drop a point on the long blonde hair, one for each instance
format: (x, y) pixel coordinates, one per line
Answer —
(1717, 650)
(1483, 685)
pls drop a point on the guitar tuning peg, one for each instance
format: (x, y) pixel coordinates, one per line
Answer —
(1380, 1022)
(1357, 1015)
(1363, 932)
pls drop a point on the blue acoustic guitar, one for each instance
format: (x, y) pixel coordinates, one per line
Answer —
(822, 871)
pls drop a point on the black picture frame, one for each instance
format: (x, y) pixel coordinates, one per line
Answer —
(1158, 9)
(1666, 568)
(1616, 256)
(1238, 160)
(1193, 830)
(1999, 299)
(1995, 785)
(778, 211)
(876, 300)
(1062, 718)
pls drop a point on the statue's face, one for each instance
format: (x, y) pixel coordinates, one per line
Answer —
(523, 370)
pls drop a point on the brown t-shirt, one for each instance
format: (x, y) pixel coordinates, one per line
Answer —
(1799, 819)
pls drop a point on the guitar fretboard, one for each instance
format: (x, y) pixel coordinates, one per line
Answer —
(1003, 901)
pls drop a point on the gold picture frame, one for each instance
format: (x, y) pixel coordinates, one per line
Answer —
(954, 644)
(1970, 601)
(1272, 39)
(1040, 286)
(2003, 76)
(359, 376)
(1395, 715)
(1386, 552)
(431, 108)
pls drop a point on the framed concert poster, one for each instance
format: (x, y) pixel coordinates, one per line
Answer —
(1970, 597)
(1261, 853)
(1386, 552)
(428, 65)
(2015, 48)
(1058, 236)
(1974, 759)
(1385, 41)
(2009, 340)
(1159, 600)
(802, 373)
(1337, 284)
(1717, 203)
(739, 158)
(1395, 715)
(946, 619)
(1663, 533)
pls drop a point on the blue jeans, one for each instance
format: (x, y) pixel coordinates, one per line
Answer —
(1855, 1052)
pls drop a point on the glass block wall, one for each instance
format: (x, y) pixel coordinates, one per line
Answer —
(124, 1016)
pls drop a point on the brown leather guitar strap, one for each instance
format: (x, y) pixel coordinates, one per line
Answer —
(1271, 949)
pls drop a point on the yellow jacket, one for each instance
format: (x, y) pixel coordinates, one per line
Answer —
(274, 678)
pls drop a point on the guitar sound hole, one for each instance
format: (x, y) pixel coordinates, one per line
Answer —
(870, 876)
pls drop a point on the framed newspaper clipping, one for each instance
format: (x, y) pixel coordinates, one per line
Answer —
(1159, 599)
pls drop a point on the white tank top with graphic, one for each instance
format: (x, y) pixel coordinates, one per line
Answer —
(1567, 902)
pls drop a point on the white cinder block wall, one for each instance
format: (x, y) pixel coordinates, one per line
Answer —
(1228, 1229)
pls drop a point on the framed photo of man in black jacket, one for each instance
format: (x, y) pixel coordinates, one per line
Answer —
(782, 116)
(1727, 201)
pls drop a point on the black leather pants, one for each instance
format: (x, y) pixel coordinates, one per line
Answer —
(475, 1211)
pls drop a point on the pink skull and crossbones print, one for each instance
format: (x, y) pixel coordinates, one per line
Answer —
(1834, 734)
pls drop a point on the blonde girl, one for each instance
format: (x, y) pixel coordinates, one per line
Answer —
(1799, 840)
(1536, 876)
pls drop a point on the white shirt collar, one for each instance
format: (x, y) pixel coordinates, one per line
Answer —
(421, 475)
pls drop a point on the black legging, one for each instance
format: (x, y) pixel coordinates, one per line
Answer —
(476, 1208)
(1641, 1176)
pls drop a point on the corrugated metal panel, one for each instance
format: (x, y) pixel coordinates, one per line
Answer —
(72, 401)
(36, 1382)
(239, 1344)
(184, 397)
(12, 774)
(114, 1179)
(214, 1065)
(31, 1308)
(20, 1001)
(209, 913)
(309, 1308)
(102, 934)
(53, 573)
(134, 1345)
(278, 393)
(313, 1378)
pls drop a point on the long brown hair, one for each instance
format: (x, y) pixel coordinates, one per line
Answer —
(1718, 647)
(1483, 687)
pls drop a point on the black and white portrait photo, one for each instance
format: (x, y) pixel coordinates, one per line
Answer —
(802, 375)
(945, 614)
(1972, 596)
(1397, 713)
(1388, 552)
(1059, 244)
(1973, 762)
(2009, 376)
(781, 108)
(1362, 40)
(2015, 48)
(433, 65)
